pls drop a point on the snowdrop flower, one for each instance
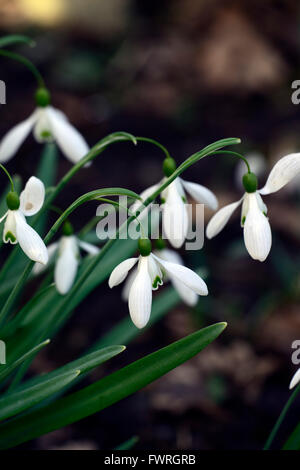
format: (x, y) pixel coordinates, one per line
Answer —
(67, 253)
(149, 277)
(48, 124)
(295, 380)
(257, 231)
(187, 295)
(174, 209)
(16, 228)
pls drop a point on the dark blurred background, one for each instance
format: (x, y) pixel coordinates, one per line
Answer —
(186, 73)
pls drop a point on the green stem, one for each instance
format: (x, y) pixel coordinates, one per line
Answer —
(228, 152)
(9, 177)
(30, 66)
(281, 418)
(154, 142)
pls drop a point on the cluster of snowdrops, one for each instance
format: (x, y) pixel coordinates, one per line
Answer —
(150, 268)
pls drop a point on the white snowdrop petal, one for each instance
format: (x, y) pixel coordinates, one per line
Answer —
(282, 173)
(186, 294)
(12, 141)
(70, 141)
(154, 273)
(261, 203)
(89, 248)
(38, 268)
(66, 265)
(295, 380)
(245, 208)
(120, 272)
(29, 240)
(32, 197)
(42, 130)
(185, 275)
(140, 295)
(127, 284)
(220, 219)
(201, 194)
(175, 217)
(169, 255)
(257, 231)
(9, 230)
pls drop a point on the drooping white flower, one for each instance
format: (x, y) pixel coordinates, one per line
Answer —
(148, 277)
(186, 294)
(295, 380)
(48, 125)
(16, 229)
(67, 253)
(257, 231)
(174, 210)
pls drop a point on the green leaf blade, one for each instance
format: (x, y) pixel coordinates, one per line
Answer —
(107, 391)
(6, 370)
(19, 401)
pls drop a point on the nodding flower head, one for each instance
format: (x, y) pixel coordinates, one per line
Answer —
(16, 229)
(148, 277)
(254, 220)
(173, 204)
(48, 125)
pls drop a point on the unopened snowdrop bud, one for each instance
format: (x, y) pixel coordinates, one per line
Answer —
(250, 182)
(169, 166)
(67, 229)
(42, 97)
(144, 246)
(13, 201)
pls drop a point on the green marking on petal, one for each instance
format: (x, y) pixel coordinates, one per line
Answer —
(9, 236)
(46, 135)
(243, 220)
(183, 198)
(157, 282)
(265, 213)
(162, 200)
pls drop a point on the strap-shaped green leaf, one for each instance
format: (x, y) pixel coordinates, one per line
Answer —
(19, 401)
(107, 391)
(84, 364)
(293, 442)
